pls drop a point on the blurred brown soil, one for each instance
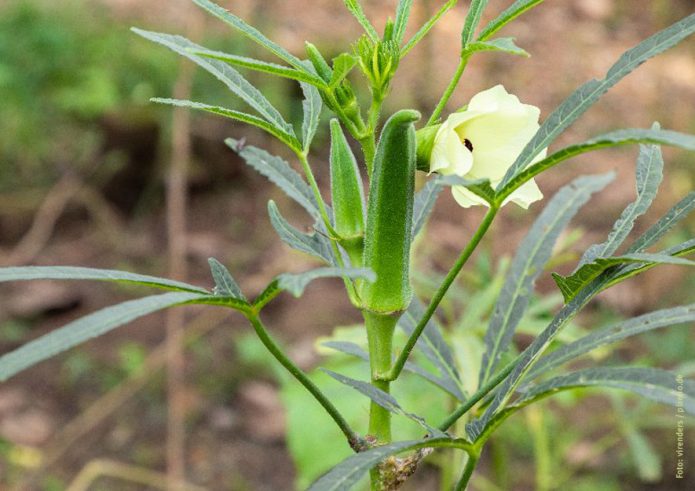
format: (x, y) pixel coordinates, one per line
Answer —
(236, 437)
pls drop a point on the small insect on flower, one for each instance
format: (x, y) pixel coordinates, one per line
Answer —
(482, 141)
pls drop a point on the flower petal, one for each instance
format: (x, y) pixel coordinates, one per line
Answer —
(525, 195)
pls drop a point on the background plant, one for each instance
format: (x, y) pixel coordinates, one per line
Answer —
(600, 270)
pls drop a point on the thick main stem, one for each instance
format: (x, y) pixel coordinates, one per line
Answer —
(380, 328)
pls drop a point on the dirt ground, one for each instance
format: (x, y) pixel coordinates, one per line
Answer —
(235, 430)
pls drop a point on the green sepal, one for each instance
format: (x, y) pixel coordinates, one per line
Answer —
(425, 143)
(389, 216)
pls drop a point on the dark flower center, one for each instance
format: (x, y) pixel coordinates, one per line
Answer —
(468, 144)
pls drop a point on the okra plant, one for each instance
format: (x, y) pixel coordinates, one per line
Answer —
(488, 154)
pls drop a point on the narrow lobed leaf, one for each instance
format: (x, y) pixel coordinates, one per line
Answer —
(314, 244)
(24, 273)
(383, 399)
(225, 284)
(650, 171)
(312, 105)
(425, 200)
(250, 32)
(427, 27)
(611, 334)
(401, 22)
(475, 12)
(504, 45)
(586, 95)
(279, 173)
(286, 138)
(224, 73)
(681, 210)
(508, 15)
(356, 10)
(295, 283)
(533, 253)
(86, 328)
(346, 474)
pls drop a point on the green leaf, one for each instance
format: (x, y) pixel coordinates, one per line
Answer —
(427, 27)
(571, 285)
(279, 173)
(346, 474)
(530, 355)
(425, 200)
(250, 32)
(505, 45)
(479, 187)
(342, 66)
(475, 12)
(650, 167)
(295, 283)
(586, 95)
(261, 66)
(509, 14)
(433, 346)
(313, 244)
(312, 105)
(612, 139)
(611, 334)
(78, 273)
(534, 251)
(652, 383)
(224, 73)
(225, 284)
(401, 22)
(356, 10)
(383, 399)
(354, 349)
(286, 138)
(86, 328)
(664, 224)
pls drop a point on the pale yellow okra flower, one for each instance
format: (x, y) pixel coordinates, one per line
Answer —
(483, 141)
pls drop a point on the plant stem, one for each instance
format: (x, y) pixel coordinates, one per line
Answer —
(353, 438)
(449, 90)
(380, 329)
(479, 394)
(439, 295)
(472, 461)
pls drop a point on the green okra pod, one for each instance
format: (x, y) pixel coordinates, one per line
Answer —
(347, 195)
(389, 216)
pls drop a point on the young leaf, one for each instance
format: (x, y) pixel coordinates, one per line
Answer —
(262, 66)
(295, 283)
(279, 173)
(612, 139)
(401, 22)
(571, 285)
(425, 200)
(342, 65)
(433, 346)
(356, 10)
(383, 399)
(531, 256)
(664, 224)
(355, 350)
(427, 27)
(315, 244)
(472, 20)
(509, 14)
(652, 383)
(650, 167)
(346, 474)
(611, 334)
(86, 328)
(225, 284)
(288, 139)
(586, 95)
(223, 72)
(504, 45)
(78, 273)
(250, 32)
(312, 105)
